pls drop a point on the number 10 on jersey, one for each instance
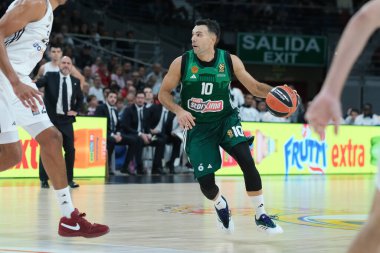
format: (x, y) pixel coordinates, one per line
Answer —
(207, 88)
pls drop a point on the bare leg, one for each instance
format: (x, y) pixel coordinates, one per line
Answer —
(50, 141)
(10, 155)
(367, 241)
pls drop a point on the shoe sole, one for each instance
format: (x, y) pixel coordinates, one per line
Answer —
(229, 230)
(80, 234)
(270, 232)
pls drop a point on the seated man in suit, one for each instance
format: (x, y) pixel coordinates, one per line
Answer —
(63, 98)
(137, 120)
(115, 135)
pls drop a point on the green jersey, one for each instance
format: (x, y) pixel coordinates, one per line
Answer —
(205, 90)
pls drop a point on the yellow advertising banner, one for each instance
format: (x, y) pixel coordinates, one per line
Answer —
(294, 149)
(90, 142)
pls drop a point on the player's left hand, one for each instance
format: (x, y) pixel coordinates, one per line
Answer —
(322, 110)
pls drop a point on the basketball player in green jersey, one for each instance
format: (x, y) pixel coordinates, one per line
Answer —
(210, 121)
(326, 106)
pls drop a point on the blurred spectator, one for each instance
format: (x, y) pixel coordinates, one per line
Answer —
(92, 103)
(138, 81)
(237, 97)
(106, 91)
(118, 77)
(85, 91)
(104, 74)
(155, 78)
(367, 118)
(127, 71)
(88, 76)
(269, 117)
(120, 106)
(149, 100)
(142, 73)
(132, 90)
(95, 65)
(262, 108)
(352, 114)
(97, 89)
(248, 111)
(113, 63)
(130, 99)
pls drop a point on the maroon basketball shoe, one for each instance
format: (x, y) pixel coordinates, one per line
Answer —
(77, 225)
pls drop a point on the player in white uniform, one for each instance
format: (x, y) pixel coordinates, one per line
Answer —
(24, 35)
(326, 106)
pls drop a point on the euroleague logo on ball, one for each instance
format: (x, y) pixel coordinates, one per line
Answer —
(282, 101)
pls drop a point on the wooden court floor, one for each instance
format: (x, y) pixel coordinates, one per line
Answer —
(169, 215)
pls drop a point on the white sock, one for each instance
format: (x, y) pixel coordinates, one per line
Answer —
(64, 201)
(219, 202)
(258, 203)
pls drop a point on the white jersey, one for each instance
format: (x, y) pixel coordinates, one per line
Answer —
(49, 67)
(26, 47)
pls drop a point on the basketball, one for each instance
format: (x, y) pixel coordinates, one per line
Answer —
(282, 101)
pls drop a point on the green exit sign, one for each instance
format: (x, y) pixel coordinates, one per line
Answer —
(275, 49)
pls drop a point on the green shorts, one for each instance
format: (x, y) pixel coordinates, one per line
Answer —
(203, 141)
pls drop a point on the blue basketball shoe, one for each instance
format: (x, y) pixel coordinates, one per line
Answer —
(224, 219)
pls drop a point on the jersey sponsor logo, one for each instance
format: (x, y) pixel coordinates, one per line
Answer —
(194, 69)
(198, 105)
(37, 46)
(221, 67)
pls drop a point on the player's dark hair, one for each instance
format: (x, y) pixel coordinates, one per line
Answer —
(56, 45)
(212, 25)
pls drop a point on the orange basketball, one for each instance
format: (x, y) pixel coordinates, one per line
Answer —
(282, 101)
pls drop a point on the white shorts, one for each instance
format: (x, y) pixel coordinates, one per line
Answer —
(14, 113)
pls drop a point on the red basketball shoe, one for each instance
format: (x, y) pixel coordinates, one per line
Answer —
(77, 225)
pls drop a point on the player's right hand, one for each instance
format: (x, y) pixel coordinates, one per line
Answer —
(185, 119)
(322, 110)
(28, 95)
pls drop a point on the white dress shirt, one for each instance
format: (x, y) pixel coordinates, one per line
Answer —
(69, 93)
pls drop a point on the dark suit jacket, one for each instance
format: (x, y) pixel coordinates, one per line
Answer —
(155, 112)
(129, 120)
(50, 81)
(169, 123)
(102, 111)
